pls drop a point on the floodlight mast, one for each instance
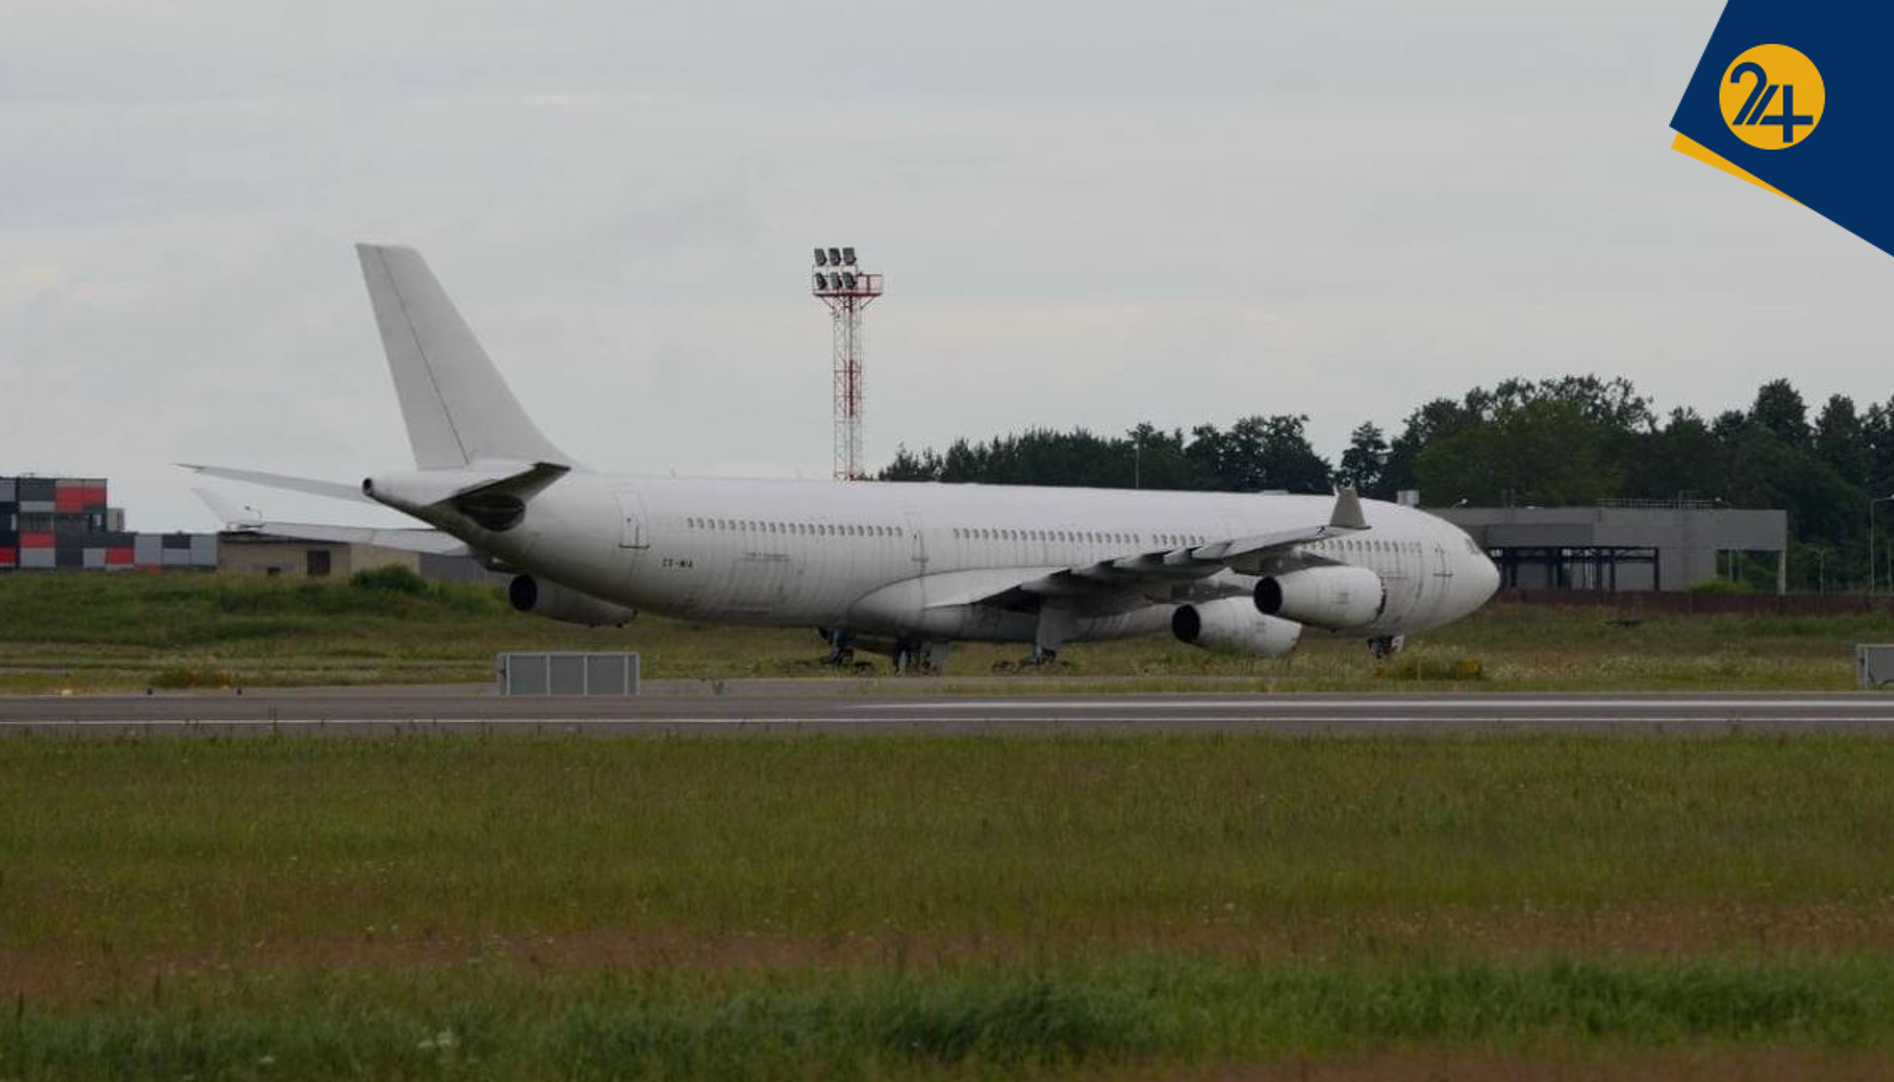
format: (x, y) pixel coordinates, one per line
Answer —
(846, 296)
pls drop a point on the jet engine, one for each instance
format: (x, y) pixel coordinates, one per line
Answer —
(556, 602)
(1233, 626)
(1335, 598)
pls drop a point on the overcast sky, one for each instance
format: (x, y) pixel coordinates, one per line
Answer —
(1089, 213)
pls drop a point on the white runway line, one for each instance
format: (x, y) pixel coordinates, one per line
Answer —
(1265, 704)
(1463, 724)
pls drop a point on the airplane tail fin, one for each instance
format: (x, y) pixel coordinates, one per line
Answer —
(456, 405)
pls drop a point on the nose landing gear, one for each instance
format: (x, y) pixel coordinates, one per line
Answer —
(1386, 646)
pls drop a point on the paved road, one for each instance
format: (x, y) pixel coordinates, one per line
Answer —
(367, 712)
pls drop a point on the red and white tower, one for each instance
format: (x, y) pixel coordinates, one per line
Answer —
(847, 290)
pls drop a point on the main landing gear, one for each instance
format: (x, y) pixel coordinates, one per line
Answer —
(1057, 626)
(841, 647)
(908, 655)
(922, 657)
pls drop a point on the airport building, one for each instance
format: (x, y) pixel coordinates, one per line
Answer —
(55, 523)
(248, 552)
(1621, 545)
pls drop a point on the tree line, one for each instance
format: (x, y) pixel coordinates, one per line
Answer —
(1551, 442)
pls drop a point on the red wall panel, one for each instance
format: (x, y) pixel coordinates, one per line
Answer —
(36, 540)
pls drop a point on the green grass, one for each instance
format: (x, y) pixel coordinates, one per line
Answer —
(127, 632)
(1075, 1021)
(952, 907)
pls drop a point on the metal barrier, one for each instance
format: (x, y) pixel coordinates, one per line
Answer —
(567, 673)
(1874, 664)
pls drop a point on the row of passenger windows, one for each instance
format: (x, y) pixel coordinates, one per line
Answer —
(1375, 546)
(807, 529)
(982, 533)
(1092, 537)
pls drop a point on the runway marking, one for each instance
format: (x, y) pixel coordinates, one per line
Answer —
(1406, 704)
(778, 722)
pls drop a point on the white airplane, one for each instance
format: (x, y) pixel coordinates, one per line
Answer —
(901, 569)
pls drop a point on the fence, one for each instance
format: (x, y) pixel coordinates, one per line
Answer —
(1690, 602)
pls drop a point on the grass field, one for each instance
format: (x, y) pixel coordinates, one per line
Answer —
(126, 632)
(1132, 907)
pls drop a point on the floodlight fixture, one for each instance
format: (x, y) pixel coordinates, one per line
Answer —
(820, 281)
(848, 257)
(835, 257)
(821, 258)
(848, 279)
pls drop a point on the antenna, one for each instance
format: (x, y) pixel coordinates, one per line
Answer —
(846, 295)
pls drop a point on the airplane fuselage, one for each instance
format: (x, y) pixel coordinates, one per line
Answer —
(894, 558)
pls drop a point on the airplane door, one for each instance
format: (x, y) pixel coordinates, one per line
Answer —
(1440, 577)
(632, 533)
(917, 539)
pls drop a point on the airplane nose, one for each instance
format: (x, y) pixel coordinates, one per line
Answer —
(1486, 578)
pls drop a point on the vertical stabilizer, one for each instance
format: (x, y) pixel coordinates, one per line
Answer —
(456, 406)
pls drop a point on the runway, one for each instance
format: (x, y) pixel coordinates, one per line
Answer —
(476, 710)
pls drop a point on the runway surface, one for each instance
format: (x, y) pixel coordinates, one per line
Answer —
(371, 711)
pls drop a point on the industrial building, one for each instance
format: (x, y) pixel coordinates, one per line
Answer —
(1621, 545)
(248, 552)
(53, 523)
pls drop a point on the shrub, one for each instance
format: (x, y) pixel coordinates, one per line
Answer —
(393, 578)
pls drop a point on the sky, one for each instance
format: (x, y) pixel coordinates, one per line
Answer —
(1088, 212)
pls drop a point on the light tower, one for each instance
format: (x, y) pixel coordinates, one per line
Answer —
(846, 289)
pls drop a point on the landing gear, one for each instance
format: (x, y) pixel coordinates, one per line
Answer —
(841, 653)
(1386, 646)
(1057, 626)
(908, 655)
(922, 657)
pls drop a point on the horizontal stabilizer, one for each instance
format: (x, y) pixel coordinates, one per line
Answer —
(236, 520)
(229, 513)
(332, 489)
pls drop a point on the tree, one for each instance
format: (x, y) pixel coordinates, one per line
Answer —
(1157, 459)
(1364, 461)
(1259, 453)
(1436, 420)
(1841, 441)
(1542, 451)
(1682, 459)
(1764, 471)
(908, 466)
(1877, 429)
(1780, 411)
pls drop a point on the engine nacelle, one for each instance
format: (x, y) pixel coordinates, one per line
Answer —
(1336, 598)
(555, 602)
(1233, 626)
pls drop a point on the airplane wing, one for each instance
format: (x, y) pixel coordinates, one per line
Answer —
(332, 489)
(407, 540)
(1140, 579)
